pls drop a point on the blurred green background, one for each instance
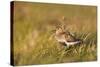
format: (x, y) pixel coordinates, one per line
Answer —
(32, 29)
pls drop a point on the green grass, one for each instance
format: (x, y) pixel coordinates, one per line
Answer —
(33, 25)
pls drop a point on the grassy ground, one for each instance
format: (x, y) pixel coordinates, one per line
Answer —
(33, 25)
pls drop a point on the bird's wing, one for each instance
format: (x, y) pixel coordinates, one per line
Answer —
(70, 38)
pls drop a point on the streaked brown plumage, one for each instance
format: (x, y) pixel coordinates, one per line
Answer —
(63, 36)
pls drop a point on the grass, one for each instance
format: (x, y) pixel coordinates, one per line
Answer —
(33, 25)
